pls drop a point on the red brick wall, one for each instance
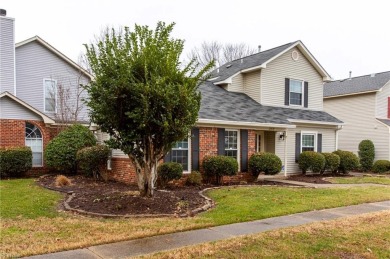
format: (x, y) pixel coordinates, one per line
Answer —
(122, 170)
(12, 134)
(251, 143)
(208, 142)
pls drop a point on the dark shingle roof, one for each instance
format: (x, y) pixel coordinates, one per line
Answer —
(219, 104)
(385, 121)
(356, 84)
(235, 66)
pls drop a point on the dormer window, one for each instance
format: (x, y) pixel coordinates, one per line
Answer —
(296, 92)
(50, 88)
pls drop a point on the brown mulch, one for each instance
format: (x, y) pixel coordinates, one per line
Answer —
(315, 178)
(121, 199)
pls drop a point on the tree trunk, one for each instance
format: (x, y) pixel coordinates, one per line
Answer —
(146, 177)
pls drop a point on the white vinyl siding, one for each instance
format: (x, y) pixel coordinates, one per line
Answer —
(273, 80)
(382, 101)
(7, 55)
(252, 85)
(358, 114)
(237, 84)
(34, 62)
(9, 109)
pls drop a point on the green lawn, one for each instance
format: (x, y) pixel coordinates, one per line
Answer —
(23, 198)
(363, 179)
(365, 236)
(30, 225)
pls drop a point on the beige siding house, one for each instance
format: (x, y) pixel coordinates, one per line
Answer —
(363, 104)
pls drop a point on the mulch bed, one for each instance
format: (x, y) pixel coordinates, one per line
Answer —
(121, 199)
(315, 178)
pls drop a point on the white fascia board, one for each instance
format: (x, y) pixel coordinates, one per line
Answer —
(343, 95)
(317, 122)
(383, 123)
(57, 52)
(46, 119)
(253, 68)
(244, 124)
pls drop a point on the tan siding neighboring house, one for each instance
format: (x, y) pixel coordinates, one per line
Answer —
(252, 85)
(273, 78)
(358, 113)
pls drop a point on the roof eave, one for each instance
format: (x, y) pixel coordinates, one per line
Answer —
(317, 122)
(349, 94)
(245, 124)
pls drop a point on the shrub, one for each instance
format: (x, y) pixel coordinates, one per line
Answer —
(218, 166)
(348, 161)
(61, 151)
(332, 162)
(268, 163)
(381, 166)
(167, 172)
(311, 160)
(62, 180)
(195, 178)
(92, 159)
(15, 161)
(366, 154)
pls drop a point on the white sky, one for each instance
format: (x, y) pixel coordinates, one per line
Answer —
(343, 35)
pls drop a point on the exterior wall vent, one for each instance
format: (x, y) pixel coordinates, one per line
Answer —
(3, 12)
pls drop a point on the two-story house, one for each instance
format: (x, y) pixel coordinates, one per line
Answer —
(39, 90)
(363, 103)
(271, 101)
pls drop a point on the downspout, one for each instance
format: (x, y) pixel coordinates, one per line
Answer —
(285, 153)
(337, 136)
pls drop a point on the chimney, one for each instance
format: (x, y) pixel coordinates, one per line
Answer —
(350, 75)
(7, 53)
(259, 48)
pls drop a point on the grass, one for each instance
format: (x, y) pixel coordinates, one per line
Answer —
(363, 179)
(365, 236)
(29, 227)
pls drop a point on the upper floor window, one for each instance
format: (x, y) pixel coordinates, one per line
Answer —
(308, 142)
(179, 153)
(296, 92)
(35, 142)
(231, 143)
(50, 88)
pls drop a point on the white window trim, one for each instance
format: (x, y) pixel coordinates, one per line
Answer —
(303, 93)
(188, 171)
(238, 146)
(25, 143)
(44, 94)
(315, 133)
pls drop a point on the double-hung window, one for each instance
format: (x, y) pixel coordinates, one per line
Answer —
(231, 143)
(308, 142)
(296, 92)
(50, 89)
(179, 153)
(35, 142)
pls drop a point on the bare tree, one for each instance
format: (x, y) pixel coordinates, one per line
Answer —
(220, 53)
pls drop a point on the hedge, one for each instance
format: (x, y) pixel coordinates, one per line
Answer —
(92, 159)
(311, 160)
(268, 163)
(348, 161)
(332, 162)
(366, 154)
(167, 172)
(218, 166)
(15, 161)
(381, 166)
(195, 178)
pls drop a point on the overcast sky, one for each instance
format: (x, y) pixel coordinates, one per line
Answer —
(343, 35)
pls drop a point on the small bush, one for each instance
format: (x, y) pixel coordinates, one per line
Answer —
(61, 151)
(366, 154)
(195, 178)
(167, 172)
(381, 166)
(218, 166)
(92, 159)
(332, 162)
(311, 160)
(268, 163)
(348, 161)
(62, 180)
(15, 161)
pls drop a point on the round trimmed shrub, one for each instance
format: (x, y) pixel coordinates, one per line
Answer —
(268, 163)
(311, 160)
(332, 162)
(218, 166)
(366, 154)
(14, 161)
(348, 161)
(62, 150)
(92, 159)
(194, 178)
(167, 172)
(381, 166)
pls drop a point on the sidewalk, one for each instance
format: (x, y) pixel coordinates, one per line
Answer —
(176, 240)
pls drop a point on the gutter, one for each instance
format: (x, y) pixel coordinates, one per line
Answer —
(245, 124)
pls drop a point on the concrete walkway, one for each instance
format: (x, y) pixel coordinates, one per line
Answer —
(176, 240)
